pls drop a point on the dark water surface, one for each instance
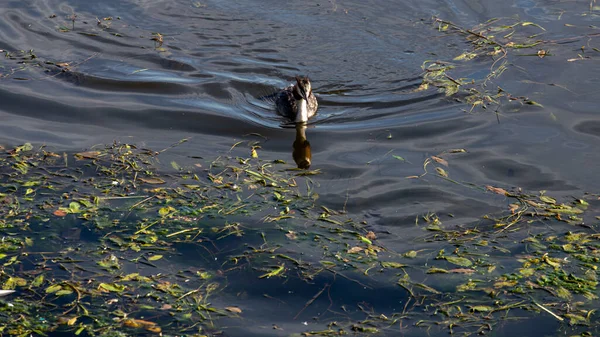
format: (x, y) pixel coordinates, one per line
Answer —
(364, 59)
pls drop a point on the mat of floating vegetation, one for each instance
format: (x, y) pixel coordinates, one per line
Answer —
(92, 243)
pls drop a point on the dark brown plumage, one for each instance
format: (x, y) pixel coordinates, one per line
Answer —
(291, 100)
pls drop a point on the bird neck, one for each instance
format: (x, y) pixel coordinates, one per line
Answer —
(302, 114)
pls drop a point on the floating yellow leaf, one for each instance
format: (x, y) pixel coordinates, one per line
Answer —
(53, 288)
(481, 308)
(527, 271)
(441, 172)
(64, 292)
(276, 271)
(164, 211)
(72, 321)
(14, 282)
(141, 324)
(155, 257)
(461, 271)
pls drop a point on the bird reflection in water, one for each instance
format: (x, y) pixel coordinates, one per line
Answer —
(302, 155)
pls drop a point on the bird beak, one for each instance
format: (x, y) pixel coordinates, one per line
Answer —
(303, 94)
(6, 292)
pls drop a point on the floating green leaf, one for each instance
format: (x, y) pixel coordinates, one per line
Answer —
(392, 265)
(461, 261)
(481, 308)
(38, 281)
(112, 287)
(547, 199)
(410, 254)
(74, 207)
(53, 288)
(365, 240)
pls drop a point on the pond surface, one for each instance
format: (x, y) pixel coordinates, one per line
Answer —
(96, 80)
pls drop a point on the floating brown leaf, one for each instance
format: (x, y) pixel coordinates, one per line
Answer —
(235, 310)
(440, 160)
(151, 180)
(355, 250)
(371, 236)
(496, 190)
(60, 212)
(88, 155)
(533, 203)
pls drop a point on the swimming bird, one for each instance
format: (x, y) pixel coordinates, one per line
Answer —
(297, 101)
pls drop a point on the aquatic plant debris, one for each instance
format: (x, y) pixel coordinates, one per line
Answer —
(496, 42)
(533, 257)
